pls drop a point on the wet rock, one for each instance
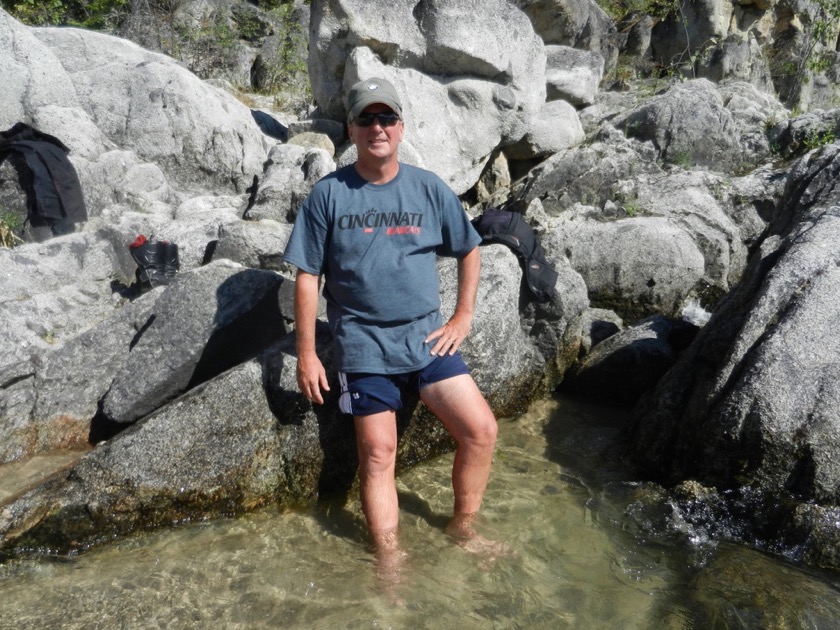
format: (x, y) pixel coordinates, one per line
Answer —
(185, 462)
(598, 324)
(732, 581)
(819, 534)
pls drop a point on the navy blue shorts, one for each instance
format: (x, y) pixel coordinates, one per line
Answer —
(364, 394)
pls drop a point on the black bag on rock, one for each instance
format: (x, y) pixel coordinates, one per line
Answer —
(511, 229)
(157, 261)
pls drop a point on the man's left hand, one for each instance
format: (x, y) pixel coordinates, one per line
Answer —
(448, 338)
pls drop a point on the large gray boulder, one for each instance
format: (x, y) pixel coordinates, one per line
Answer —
(753, 346)
(188, 460)
(591, 173)
(465, 90)
(692, 200)
(629, 363)
(36, 91)
(581, 24)
(201, 137)
(290, 172)
(691, 125)
(573, 75)
(634, 266)
(136, 359)
(737, 58)
(254, 244)
(245, 439)
(55, 290)
(49, 396)
(205, 322)
(555, 127)
(157, 152)
(754, 400)
(71, 380)
(535, 348)
(141, 129)
(688, 226)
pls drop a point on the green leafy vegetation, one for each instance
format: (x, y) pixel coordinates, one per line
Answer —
(813, 55)
(49, 336)
(632, 208)
(208, 47)
(620, 9)
(289, 67)
(630, 204)
(794, 60)
(817, 139)
(203, 47)
(822, 34)
(103, 15)
(9, 223)
(680, 158)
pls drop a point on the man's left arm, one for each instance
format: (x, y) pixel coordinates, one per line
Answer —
(449, 337)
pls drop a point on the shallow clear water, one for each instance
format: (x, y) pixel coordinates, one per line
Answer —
(557, 499)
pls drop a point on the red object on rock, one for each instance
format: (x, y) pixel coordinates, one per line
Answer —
(139, 241)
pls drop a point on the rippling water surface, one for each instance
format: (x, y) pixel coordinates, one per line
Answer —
(557, 499)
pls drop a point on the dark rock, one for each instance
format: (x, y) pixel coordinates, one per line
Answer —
(624, 366)
(203, 323)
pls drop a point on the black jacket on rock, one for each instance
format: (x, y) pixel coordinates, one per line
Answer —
(53, 192)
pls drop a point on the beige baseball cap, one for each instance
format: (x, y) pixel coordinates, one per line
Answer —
(368, 92)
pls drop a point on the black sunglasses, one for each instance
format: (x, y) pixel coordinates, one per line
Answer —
(385, 120)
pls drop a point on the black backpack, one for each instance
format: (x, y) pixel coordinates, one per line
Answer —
(157, 261)
(511, 229)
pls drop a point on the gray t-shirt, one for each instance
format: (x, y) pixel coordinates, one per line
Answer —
(376, 246)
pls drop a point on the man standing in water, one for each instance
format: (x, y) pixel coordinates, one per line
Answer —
(373, 230)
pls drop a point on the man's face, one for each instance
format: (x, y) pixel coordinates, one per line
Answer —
(378, 141)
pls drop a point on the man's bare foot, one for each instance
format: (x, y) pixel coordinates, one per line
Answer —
(390, 563)
(461, 528)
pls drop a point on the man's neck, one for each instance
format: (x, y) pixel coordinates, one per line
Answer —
(378, 173)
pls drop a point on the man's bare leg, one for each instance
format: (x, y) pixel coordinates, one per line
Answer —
(376, 442)
(462, 409)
